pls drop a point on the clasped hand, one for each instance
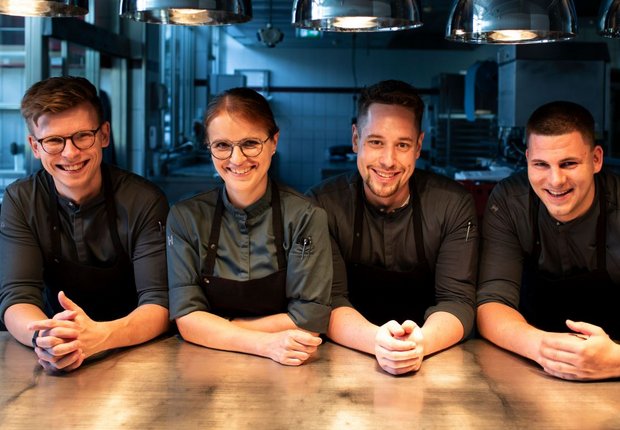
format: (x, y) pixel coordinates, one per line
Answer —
(585, 354)
(66, 340)
(292, 347)
(399, 348)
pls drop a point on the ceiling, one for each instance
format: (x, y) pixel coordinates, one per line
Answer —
(434, 14)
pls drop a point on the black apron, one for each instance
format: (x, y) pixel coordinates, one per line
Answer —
(105, 293)
(548, 300)
(382, 295)
(256, 297)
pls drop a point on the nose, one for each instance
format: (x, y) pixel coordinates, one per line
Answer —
(70, 150)
(237, 156)
(388, 155)
(557, 176)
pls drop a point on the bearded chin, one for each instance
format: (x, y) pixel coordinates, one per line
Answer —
(380, 191)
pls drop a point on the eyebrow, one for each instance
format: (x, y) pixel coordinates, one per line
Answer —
(378, 136)
(564, 160)
(245, 139)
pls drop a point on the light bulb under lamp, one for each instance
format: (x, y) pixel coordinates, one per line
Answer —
(353, 22)
(47, 8)
(508, 36)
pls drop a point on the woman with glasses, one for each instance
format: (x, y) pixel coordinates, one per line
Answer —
(82, 243)
(249, 264)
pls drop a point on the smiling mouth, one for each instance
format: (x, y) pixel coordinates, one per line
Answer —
(385, 175)
(240, 171)
(558, 194)
(72, 167)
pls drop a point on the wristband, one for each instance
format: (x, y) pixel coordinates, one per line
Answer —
(34, 338)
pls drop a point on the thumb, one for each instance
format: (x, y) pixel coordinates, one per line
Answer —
(418, 336)
(394, 328)
(306, 338)
(584, 328)
(67, 303)
(408, 326)
(65, 315)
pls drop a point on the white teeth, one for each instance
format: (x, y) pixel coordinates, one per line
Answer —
(240, 172)
(73, 167)
(385, 175)
(557, 194)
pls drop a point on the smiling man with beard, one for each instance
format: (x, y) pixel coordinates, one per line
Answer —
(404, 240)
(550, 265)
(82, 244)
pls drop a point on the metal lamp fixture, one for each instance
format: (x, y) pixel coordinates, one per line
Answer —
(187, 12)
(609, 19)
(511, 21)
(356, 15)
(52, 8)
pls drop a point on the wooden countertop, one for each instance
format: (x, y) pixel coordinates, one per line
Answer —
(172, 384)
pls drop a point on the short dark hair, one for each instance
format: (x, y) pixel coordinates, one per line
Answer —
(561, 117)
(57, 94)
(245, 103)
(391, 92)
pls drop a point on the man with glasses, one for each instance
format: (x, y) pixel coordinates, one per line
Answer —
(82, 244)
(405, 241)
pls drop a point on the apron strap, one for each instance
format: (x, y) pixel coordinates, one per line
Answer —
(534, 210)
(110, 206)
(357, 225)
(601, 226)
(214, 237)
(417, 222)
(278, 225)
(54, 220)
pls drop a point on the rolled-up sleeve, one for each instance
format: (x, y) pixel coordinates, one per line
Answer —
(457, 263)
(186, 295)
(501, 258)
(340, 291)
(309, 272)
(21, 261)
(149, 252)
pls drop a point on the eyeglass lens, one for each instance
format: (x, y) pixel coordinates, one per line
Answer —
(224, 149)
(81, 140)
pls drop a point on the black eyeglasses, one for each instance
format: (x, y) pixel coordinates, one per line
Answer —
(81, 140)
(223, 149)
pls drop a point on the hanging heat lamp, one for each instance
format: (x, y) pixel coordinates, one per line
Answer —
(609, 18)
(356, 15)
(187, 12)
(49, 8)
(511, 21)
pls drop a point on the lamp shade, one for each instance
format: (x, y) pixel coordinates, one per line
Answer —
(511, 21)
(52, 8)
(356, 15)
(188, 12)
(609, 18)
